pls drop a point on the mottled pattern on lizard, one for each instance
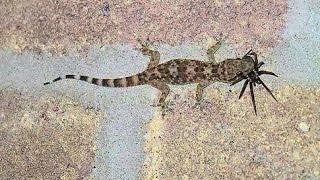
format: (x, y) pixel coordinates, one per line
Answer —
(179, 72)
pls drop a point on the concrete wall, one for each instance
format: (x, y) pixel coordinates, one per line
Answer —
(75, 130)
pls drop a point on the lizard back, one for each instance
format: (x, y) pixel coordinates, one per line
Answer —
(176, 71)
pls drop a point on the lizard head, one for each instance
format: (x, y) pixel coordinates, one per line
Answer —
(251, 75)
(232, 70)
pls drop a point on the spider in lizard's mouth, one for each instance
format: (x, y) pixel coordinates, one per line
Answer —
(252, 78)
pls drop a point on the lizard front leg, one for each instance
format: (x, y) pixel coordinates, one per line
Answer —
(154, 55)
(164, 88)
(213, 49)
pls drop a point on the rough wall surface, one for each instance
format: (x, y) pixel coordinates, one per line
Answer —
(74, 130)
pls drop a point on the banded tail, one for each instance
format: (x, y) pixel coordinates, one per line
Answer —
(134, 80)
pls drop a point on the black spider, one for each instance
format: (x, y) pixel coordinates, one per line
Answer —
(252, 78)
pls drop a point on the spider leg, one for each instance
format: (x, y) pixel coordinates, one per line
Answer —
(240, 78)
(236, 81)
(255, 58)
(267, 89)
(244, 88)
(260, 64)
(252, 98)
(247, 53)
(266, 72)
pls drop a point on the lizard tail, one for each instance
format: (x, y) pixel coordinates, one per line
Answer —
(118, 82)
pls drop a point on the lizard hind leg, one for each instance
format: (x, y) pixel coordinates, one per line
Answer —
(213, 49)
(199, 90)
(154, 55)
(164, 88)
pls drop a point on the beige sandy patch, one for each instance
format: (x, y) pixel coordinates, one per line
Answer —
(57, 26)
(45, 138)
(223, 139)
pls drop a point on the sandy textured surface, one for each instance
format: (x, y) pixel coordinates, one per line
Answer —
(74, 130)
(222, 138)
(59, 25)
(45, 137)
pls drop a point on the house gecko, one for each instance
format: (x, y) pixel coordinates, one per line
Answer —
(187, 71)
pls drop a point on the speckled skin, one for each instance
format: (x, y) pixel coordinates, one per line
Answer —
(177, 72)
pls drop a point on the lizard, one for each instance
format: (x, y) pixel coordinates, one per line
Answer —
(187, 71)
